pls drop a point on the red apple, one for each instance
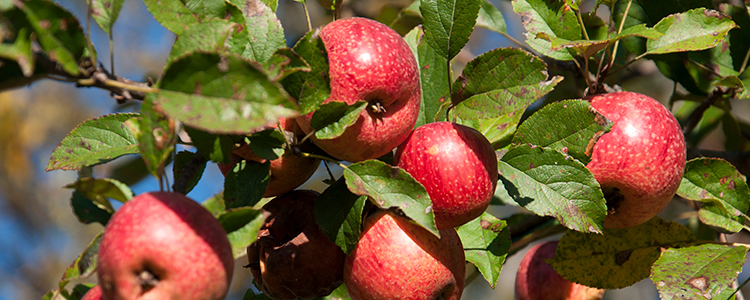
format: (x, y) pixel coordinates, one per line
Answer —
(292, 258)
(397, 259)
(640, 162)
(457, 166)
(371, 62)
(288, 171)
(164, 246)
(537, 280)
(94, 293)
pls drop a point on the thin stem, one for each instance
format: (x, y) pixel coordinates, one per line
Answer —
(619, 30)
(324, 158)
(583, 27)
(738, 289)
(517, 42)
(111, 52)
(307, 16)
(744, 64)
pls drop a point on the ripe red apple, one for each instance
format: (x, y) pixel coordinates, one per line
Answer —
(164, 245)
(288, 172)
(537, 280)
(457, 166)
(94, 293)
(397, 259)
(640, 162)
(292, 258)
(369, 61)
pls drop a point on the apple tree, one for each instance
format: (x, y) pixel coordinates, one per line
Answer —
(531, 122)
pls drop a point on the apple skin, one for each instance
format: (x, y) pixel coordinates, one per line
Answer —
(288, 172)
(94, 293)
(640, 162)
(292, 258)
(164, 245)
(537, 280)
(397, 259)
(369, 61)
(457, 166)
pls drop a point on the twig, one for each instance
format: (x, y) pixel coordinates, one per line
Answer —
(697, 114)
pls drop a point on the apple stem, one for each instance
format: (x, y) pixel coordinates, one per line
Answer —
(325, 158)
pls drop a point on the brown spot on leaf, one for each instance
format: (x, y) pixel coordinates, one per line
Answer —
(732, 185)
(485, 224)
(700, 283)
(723, 180)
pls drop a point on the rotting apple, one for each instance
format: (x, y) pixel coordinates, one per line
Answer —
(292, 258)
(371, 62)
(163, 245)
(537, 280)
(94, 293)
(640, 162)
(289, 171)
(397, 259)
(457, 166)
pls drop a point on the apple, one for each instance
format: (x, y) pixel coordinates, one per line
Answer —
(94, 293)
(537, 280)
(457, 166)
(288, 172)
(640, 162)
(371, 62)
(397, 259)
(163, 245)
(292, 258)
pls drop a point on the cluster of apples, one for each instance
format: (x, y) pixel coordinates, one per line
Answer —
(166, 245)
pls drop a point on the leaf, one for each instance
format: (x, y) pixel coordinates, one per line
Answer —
(20, 51)
(215, 147)
(696, 29)
(448, 24)
(332, 119)
(215, 205)
(156, 136)
(339, 293)
(338, 214)
(389, 186)
(87, 211)
(245, 184)
(99, 189)
(486, 242)
(228, 95)
(178, 16)
(94, 142)
(433, 70)
(553, 18)
(491, 18)
(84, 265)
(550, 183)
(697, 272)
(625, 255)
(182, 159)
(242, 225)
(261, 34)
(587, 48)
(310, 88)
(723, 190)
(105, 13)
(267, 144)
(209, 36)
(574, 127)
(283, 63)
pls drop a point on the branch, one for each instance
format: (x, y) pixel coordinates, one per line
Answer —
(696, 116)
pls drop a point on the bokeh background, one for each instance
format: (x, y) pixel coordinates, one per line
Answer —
(39, 234)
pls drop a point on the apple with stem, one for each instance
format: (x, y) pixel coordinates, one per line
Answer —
(457, 166)
(398, 259)
(640, 162)
(371, 62)
(163, 245)
(289, 171)
(292, 258)
(537, 280)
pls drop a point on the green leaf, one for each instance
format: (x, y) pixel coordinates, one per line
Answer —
(491, 18)
(448, 24)
(434, 81)
(156, 136)
(177, 16)
(283, 63)
(697, 272)
(389, 186)
(87, 211)
(215, 147)
(692, 30)
(105, 13)
(215, 205)
(338, 214)
(723, 190)
(339, 293)
(94, 142)
(242, 225)
(99, 189)
(574, 127)
(553, 18)
(407, 19)
(227, 94)
(332, 119)
(183, 158)
(267, 144)
(587, 48)
(310, 88)
(486, 242)
(261, 34)
(624, 255)
(84, 265)
(20, 51)
(245, 184)
(209, 36)
(550, 183)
